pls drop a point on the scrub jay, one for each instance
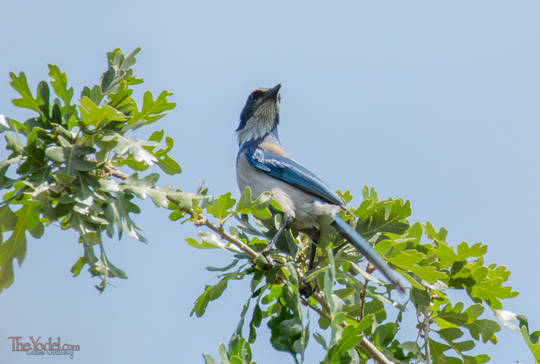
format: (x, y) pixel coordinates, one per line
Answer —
(263, 164)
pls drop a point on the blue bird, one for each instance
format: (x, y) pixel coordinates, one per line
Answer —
(263, 164)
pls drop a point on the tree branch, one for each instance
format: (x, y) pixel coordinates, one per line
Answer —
(367, 345)
(113, 171)
(425, 327)
(363, 298)
(374, 352)
(202, 220)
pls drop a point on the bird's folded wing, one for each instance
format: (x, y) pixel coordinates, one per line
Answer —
(287, 170)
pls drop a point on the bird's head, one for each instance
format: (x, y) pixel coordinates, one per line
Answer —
(260, 115)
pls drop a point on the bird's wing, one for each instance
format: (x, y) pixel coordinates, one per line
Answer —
(287, 170)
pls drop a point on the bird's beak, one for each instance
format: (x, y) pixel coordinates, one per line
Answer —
(272, 93)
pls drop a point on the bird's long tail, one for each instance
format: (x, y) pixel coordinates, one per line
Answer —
(366, 250)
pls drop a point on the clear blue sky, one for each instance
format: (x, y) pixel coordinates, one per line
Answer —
(435, 103)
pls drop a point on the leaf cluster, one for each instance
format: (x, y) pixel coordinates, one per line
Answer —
(62, 165)
(353, 305)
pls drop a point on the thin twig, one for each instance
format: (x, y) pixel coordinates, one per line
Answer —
(315, 308)
(374, 352)
(367, 345)
(18, 194)
(363, 298)
(202, 220)
(113, 171)
(425, 326)
(318, 296)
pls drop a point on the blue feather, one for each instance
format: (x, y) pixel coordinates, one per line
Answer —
(366, 250)
(287, 170)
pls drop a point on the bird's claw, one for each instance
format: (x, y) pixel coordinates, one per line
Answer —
(307, 290)
(264, 260)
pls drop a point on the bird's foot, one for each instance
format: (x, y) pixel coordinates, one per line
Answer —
(270, 261)
(265, 254)
(307, 290)
(264, 260)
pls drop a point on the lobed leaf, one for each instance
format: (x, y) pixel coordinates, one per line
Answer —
(27, 100)
(220, 206)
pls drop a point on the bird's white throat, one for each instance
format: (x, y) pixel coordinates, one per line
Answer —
(260, 123)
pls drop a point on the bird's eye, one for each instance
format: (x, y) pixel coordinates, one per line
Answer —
(255, 95)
